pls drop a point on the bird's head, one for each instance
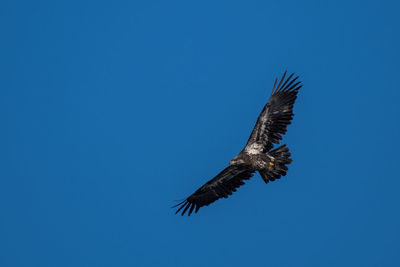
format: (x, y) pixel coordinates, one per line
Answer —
(236, 160)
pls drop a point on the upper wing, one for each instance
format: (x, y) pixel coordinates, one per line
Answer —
(220, 186)
(277, 113)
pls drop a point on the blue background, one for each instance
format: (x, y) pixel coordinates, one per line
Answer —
(111, 111)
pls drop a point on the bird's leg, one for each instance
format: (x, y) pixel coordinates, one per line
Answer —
(271, 164)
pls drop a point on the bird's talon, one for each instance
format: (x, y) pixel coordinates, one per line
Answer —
(271, 164)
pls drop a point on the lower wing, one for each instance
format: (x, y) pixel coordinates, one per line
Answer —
(221, 186)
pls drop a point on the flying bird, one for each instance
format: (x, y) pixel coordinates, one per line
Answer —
(258, 154)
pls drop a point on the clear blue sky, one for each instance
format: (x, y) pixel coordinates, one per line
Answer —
(110, 111)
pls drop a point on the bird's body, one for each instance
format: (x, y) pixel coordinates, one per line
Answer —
(257, 154)
(253, 157)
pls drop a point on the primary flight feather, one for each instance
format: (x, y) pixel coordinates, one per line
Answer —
(257, 154)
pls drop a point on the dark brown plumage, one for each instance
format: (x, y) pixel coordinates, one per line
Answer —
(257, 154)
(222, 185)
(277, 113)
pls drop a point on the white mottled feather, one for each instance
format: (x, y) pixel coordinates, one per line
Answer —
(254, 149)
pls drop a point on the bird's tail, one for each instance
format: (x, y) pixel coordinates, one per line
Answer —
(280, 157)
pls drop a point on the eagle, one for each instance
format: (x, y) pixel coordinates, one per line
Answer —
(259, 153)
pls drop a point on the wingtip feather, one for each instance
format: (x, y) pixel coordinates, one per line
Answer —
(280, 82)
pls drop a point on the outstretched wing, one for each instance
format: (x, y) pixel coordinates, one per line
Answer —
(277, 113)
(220, 186)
